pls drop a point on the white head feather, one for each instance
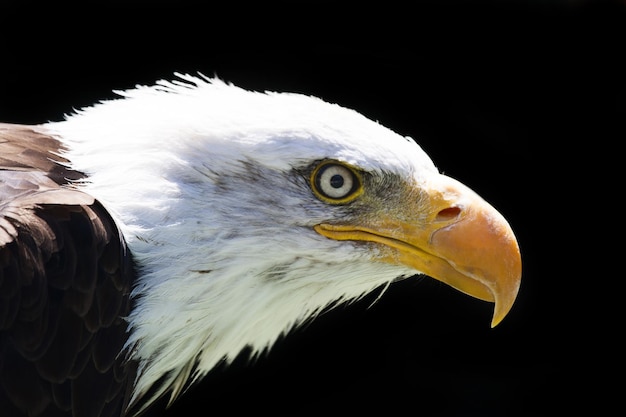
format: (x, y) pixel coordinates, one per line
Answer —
(204, 180)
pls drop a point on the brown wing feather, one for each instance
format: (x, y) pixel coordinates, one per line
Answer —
(65, 279)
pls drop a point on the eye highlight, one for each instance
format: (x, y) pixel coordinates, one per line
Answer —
(335, 182)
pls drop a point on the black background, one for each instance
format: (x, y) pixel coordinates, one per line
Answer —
(520, 100)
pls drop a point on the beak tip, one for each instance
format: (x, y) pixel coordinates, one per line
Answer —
(498, 316)
(504, 304)
(495, 321)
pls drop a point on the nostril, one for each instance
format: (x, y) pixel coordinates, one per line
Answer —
(448, 214)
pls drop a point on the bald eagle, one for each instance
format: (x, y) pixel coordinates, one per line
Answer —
(148, 238)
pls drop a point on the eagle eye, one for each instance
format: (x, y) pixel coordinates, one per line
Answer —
(335, 182)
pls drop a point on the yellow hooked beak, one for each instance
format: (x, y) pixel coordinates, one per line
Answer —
(448, 233)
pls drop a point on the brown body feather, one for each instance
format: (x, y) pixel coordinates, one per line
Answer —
(65, 280)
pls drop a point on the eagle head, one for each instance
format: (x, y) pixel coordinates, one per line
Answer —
(248, 213)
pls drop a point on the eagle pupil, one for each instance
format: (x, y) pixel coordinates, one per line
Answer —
(336, 181)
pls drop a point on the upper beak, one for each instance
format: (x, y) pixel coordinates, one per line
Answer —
(451, 234)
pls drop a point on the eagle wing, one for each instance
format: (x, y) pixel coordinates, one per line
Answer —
(65, 280)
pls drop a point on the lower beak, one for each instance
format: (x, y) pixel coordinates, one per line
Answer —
(452, 235)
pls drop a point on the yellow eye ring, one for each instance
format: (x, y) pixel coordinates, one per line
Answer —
(335, 182)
